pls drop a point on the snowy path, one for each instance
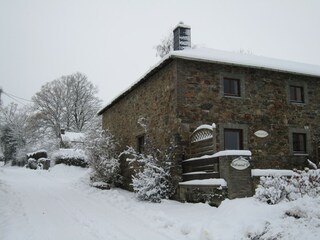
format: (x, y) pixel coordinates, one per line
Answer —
(56, 205)
(59, 205)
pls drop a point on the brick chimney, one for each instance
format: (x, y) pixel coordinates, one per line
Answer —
(181, 37)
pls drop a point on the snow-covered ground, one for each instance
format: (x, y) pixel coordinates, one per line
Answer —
(59, 204)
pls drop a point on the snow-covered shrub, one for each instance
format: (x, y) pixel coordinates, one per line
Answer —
(74, 157)
(38, 154)
(305, 182)
(152, 180)
(44, 163)
(274, 189)
(32, 163)
(102, 158)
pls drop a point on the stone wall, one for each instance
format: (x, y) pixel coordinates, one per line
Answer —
(154, 100)
(240, 182)
(263, 105)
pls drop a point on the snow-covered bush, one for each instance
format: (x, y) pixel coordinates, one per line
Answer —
(152, 180)
(44, 163)
(305, 182)
(274, 189)
(102, 158)
(32, 163)
(74, 157)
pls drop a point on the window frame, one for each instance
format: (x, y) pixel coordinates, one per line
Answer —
(300, 143)
(307, 141)
(240, 138)
(243, 127)
(293, 95)
(233, 89)
(240, 78)
(304, 92)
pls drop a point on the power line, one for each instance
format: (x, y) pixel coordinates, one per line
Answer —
(16, 96)
(13, 98)
(0, 95)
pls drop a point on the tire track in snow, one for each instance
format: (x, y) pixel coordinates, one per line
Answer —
(57, 209)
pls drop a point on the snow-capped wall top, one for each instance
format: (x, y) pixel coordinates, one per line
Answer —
(213, 55)
(206, 182)
(271, 172)
(232, 153)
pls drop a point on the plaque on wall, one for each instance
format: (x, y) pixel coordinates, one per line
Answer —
(240, 163)
(261, 133)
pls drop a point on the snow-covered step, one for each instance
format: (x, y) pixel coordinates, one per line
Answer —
(204, 163)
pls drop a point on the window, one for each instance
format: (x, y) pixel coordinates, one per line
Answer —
(296, 94)
(299, 141)
(233, 139)
(231, 87)
(140, 143)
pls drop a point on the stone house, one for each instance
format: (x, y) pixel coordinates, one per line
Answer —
(242, 102)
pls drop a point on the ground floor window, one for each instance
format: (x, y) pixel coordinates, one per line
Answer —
(233, 139)
(299, 141)
(140, 143)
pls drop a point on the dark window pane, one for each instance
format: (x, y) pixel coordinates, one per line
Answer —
(296, 94)
(141, 143)
(299, 142)
(233, 139)
(231, 87)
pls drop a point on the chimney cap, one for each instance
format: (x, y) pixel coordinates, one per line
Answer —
(181, 24)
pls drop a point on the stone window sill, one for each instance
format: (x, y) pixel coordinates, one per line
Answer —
(235, 97)
(300, 154)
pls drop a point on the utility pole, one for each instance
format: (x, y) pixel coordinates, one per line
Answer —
(0, 95)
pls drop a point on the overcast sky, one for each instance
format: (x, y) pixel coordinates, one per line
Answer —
(112, 42)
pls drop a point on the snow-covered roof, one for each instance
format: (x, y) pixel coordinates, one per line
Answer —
(225, 57)
(72, 137)
(248, 60)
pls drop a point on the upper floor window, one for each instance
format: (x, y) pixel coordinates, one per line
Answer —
(299, 141)
(231, 87)
(233, 139)
(296, 94)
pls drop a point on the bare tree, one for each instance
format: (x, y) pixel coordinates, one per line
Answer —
(68, 102)
(165, 46)
(84, 104)
(13, 130)
(49, 105)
